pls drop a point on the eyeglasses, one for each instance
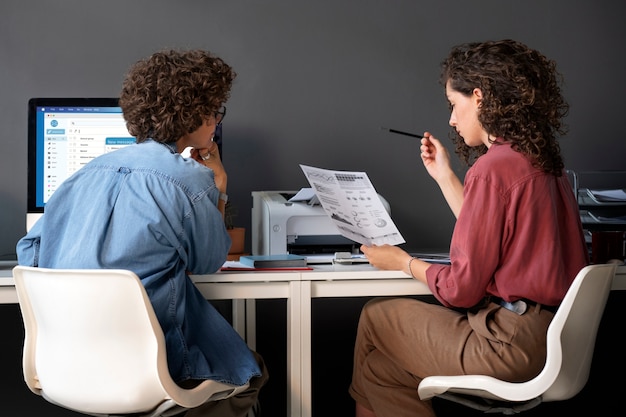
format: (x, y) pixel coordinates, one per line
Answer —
(219, 115)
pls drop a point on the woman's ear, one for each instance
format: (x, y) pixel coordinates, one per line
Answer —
(477, 96)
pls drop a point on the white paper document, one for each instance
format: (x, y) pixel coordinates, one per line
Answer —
(352, 203)
(608, 196)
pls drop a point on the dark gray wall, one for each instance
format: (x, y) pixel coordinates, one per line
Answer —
(316, 82)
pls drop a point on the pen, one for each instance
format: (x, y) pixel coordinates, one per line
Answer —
(414, 135)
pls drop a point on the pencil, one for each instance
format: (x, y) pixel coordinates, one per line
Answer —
(400, 132)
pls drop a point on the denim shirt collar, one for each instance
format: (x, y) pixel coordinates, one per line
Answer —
(170, 145)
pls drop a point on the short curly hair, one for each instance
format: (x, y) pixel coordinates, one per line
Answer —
(171, 93)
(522, 101)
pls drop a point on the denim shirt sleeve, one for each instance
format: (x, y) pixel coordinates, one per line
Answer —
(204, 239)
(27, 248)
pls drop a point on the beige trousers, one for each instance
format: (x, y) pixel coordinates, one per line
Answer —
(400, 341)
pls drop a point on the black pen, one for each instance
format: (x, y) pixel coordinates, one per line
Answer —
(399, 132)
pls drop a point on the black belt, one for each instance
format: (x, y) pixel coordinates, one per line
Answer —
(521, 306)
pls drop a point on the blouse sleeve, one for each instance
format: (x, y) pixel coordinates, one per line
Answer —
(474, 248)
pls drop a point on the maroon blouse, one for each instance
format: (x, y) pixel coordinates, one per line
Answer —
(518, 235)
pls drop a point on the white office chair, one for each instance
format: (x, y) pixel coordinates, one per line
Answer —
(93, 345)
(570, 343)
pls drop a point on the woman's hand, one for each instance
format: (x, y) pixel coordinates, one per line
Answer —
(393, 258)
(437, 162)
(386, 257)
(435, 157)
(210, 158)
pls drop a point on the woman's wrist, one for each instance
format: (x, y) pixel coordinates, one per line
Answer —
(409, 264)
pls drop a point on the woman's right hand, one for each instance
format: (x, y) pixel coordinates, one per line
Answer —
(437, 162)
(435, 157)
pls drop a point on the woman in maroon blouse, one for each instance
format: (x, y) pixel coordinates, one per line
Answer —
(516, 247)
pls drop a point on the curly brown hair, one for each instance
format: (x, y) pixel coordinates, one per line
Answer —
(171, 93)
(522, 101)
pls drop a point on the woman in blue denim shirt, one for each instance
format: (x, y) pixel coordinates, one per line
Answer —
(148, 209)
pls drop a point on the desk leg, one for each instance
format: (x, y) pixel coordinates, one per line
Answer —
(294, 351)
(239, 317)
(251, 323)
(244, 320)
(305, 329)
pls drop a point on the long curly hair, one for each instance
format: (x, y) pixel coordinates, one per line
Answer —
(171, 93)
(522, 101)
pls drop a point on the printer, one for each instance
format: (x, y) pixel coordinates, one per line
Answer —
(281, 226)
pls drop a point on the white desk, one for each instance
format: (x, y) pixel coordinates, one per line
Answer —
(298, 288)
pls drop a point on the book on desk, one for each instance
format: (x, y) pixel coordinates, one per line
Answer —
(286, 260)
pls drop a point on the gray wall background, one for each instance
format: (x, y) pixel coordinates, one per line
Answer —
(316, 81)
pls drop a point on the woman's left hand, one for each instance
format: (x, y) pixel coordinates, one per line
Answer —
(210, 158)
(386, 257)
(393, 258)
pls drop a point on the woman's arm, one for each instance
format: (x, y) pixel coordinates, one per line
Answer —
(437, 162)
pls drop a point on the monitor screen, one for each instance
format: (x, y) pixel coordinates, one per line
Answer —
(64, 134)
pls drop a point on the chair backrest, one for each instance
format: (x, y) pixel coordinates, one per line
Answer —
(91, 339)
(573, 330)
(93, 343)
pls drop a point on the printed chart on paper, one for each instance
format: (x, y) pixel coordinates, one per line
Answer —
(352, 203)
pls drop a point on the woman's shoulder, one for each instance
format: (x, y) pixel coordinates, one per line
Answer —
(148, 154)
(153, 158)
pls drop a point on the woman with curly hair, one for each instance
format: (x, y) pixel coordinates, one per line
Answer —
(150, 210)
(516, 246)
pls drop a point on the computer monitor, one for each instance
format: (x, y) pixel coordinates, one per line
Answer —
(64, 134)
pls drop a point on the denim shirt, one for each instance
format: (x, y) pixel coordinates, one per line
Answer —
(147, 209)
